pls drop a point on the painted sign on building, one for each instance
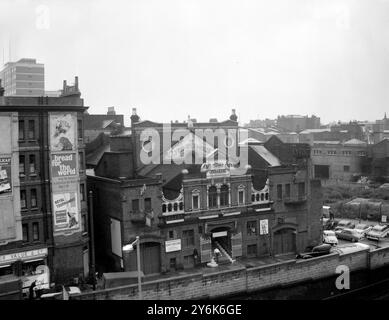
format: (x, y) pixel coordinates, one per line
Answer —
(24, 255)
(62, 131)
(5, 174)
(217, 169)
(173, 245)
(66, 211)
(63, 165)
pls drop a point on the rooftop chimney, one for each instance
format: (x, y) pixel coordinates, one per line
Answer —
(111, 111)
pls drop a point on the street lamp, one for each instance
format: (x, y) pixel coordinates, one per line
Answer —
(128, 248)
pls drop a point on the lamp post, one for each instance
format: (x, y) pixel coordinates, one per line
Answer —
(130, 247)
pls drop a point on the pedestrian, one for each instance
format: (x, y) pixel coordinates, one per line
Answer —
(216, 253)
(31, 290)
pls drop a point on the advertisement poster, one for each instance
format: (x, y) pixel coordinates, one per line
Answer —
(5, 174)
(66, 211)
(263, 227)
(62, 131)
(63, 165)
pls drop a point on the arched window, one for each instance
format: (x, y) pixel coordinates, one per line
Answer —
(267, 196)
(224, 195)
(253, 197)
(164, 207)
(257, 197)
(212, 197)
(175, 206)
(169, 207)
(262, 197)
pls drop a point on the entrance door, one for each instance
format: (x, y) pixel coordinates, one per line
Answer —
(284, 241)
(150, 257)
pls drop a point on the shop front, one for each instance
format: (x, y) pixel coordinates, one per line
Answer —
(29, 266)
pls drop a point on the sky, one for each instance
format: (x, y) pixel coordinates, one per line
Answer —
(201, 58)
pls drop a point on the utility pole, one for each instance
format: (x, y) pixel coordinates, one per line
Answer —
(92, 240)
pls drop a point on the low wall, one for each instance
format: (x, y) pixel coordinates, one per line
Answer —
(242, 280)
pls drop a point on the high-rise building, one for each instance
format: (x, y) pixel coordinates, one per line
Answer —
(25, 77)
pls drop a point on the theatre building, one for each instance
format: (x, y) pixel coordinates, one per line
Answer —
(43, 206)
(182, 212)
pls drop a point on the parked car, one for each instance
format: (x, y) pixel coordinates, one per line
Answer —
(344, 224)
(349, 234)
(378, 232)
(317, 251)
(330, 237)
(363, 228)
(56, 293)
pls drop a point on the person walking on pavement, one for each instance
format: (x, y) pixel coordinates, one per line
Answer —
(216, 252)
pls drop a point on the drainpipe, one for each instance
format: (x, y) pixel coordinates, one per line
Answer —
(92, 240)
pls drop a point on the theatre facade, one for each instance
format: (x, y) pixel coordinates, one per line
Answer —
(182, 212)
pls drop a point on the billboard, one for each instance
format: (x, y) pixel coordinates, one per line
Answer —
(5, 174)
(66, 212)
(62, 131)
(63, 165)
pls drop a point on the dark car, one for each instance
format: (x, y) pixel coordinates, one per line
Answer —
(330, 225)
(344, 224)
(317, 251)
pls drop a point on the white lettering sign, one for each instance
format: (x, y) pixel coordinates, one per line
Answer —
(25, 255)
(173, 245)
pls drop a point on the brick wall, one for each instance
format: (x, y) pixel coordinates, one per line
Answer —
(240, 280)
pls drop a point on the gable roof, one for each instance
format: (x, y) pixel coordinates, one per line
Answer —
(101, 121)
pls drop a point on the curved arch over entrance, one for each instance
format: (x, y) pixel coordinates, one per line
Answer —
(284, 241)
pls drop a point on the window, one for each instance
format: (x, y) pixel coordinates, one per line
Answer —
(331, 152)
(147, 204)
(79, 128)
(35, 231)
(212, 197)
(171, 234)
(33, 198)
(32, 164)
(224, 195)
(251, 228)
(252, 250)
(195, 201)
(188, 238)
(173, 263)
(287, 190)
(81, 161)
(25, 232)
(21, 130)
(240, 196)
(346, 168)
(301, 189)
(22, 165)
(279, 191)
(135, 205)
(23, 204)
(31, 129)
(83, 223)
(82, 192)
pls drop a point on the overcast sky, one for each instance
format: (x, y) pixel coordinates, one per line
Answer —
(174, 58)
